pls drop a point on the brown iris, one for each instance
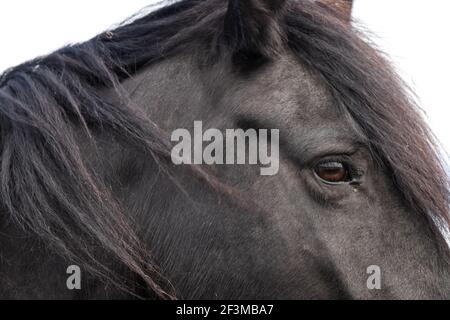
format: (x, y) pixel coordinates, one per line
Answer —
(333, 172)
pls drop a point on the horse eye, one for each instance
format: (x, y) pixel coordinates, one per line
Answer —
(333, 172)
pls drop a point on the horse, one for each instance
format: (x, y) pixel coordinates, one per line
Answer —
(87, 180)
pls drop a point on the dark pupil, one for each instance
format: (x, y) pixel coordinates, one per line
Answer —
(333, 172)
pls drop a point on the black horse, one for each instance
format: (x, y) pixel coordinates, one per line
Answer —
(87, 177)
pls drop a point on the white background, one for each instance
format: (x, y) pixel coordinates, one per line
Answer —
(415, 33)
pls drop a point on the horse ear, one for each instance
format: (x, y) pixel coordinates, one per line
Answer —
(252, 30)
(342, 7)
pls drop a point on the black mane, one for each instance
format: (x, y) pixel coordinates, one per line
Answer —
(47, 188)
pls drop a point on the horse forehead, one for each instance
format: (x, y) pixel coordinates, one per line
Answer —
(288, 92)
